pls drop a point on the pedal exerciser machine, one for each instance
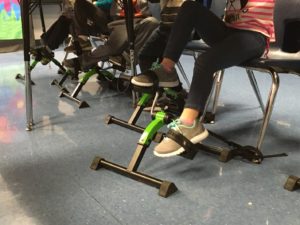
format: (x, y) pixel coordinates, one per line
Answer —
(151, 133)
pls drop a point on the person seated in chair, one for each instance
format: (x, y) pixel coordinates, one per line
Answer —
(245, 34)
(117, 41)
(152, 51)
(79, 25)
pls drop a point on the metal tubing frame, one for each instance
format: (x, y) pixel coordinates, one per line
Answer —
(270, 102)
(253, 82)
(166, 188)
(75, 92)
(125, 124)
(26, 45)
(269, 106)
(131, 174)
(42, 16)
(218, 84)
(255, 87)
(25, 11)
(180, 67)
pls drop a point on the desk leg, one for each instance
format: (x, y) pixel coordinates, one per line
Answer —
(26, 44)
(28, 94)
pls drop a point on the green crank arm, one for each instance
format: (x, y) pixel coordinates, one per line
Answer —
(87, 76)
(149, 132)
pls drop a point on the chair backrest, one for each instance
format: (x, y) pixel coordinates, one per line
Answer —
(217, 7)
(284, 10)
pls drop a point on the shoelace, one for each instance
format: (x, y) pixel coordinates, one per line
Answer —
(155, 65)
(176, 124)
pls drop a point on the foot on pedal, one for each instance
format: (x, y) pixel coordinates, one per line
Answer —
(168, 147)
(157, 76)
(42, 54)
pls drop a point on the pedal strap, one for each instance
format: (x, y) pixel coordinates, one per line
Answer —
(181, 140)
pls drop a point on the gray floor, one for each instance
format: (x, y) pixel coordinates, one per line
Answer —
(45, 176)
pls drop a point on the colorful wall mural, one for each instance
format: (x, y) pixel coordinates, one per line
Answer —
(10, 20)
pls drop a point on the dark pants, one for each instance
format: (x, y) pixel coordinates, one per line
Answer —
(118, 42)
(153, 49)
(70, 24)
(229, 47)
(57, 33)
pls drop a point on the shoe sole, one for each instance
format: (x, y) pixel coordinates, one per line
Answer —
(160, 84)
(194, 140)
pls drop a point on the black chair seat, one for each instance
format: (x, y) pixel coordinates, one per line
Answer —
(196, 45)
(279, 61)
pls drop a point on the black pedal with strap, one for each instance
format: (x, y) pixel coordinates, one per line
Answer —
(152, 89)
(190, 148)
(247, 152)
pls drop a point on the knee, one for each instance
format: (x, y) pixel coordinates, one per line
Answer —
(150, 22)
(191, 7)
(204, 62)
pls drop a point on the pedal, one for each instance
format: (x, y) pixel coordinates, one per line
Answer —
(42, 54)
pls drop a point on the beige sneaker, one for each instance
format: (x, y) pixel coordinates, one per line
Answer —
(195, 133)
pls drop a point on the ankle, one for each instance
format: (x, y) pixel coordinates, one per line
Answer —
(167, 68)
(187, 121)
(168, 64)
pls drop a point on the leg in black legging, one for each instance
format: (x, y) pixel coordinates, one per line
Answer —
(235, 49)
(153, 49)
(229, 47)
(193, 15)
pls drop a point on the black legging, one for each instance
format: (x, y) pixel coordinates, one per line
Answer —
(229, 47)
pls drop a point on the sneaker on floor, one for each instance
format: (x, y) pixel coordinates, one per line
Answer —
(168, 147)
(165, 79)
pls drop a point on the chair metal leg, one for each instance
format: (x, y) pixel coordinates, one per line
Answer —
(218, 79)
(255, 87)
(209, 117)
(269, 107)
(69, 44)
(179, 66)
(195, 55)
(28, 96)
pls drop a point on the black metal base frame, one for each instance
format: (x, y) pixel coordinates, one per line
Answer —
(166, 188)
(40, 55)
(99, 70)
(292, 183)
(22, 78)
